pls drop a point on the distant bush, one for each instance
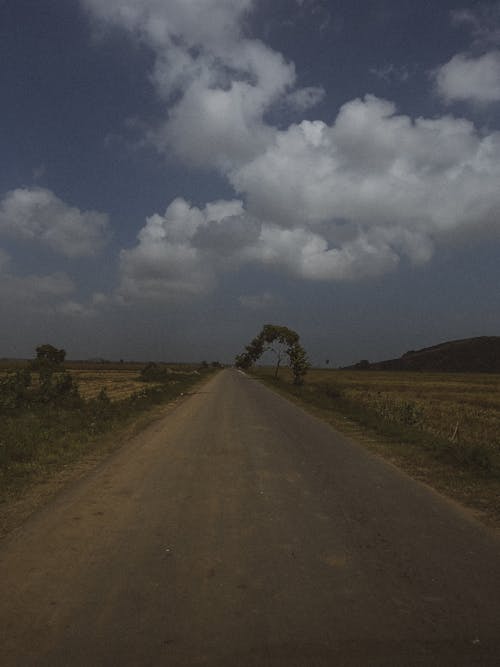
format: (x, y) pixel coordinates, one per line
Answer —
(154, 373)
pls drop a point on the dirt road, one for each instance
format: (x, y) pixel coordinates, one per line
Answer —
(241, 531)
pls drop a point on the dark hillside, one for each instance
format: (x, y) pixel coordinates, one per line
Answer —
(471, 355)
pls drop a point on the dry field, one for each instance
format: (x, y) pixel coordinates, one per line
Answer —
(119, 380)
(118, 384)
(463, 408)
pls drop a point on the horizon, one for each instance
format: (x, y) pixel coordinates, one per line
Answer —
(325, 365)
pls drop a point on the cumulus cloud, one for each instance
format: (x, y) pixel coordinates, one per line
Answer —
(38, 215)
(340, 201)
(374, 168)
(330, 202)
(305, 98)
(470, 79)
(172, 259)
(218, 84)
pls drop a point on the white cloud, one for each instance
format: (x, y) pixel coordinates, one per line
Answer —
(166, 263)
(215, 127)
(218, 121)
(305, 98)
(375, 169)
(218, 83)
(343, 201)
(157, 22)
(340, 202)
(38, 215)
(470, 79)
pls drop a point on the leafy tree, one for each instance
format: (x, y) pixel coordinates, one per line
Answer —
(49, 354)
(55, 384)
(282, 342)
(48, 360)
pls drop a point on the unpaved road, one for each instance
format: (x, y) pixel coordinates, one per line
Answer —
(240, 531)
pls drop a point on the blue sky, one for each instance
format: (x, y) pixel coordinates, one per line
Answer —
(175, 173)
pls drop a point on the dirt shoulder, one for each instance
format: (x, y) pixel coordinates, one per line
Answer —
(37, 491)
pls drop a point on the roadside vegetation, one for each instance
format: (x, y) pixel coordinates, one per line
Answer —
(443, 428)
(52, 415)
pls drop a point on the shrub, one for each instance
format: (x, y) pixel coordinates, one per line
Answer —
(154, 373)
(14, 389)
(57, 388)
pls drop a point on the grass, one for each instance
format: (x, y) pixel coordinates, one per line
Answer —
(39, 437)
(443, 428)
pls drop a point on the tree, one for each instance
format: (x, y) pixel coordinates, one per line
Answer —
(282, 342)
(48, 360)
(50, 354)
(55, 384)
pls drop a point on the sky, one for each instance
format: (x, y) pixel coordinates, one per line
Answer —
(176, 173)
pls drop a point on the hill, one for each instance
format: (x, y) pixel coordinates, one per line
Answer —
(470, 355)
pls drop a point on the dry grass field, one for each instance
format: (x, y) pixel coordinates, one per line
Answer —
(463, 409)
(119, 380)
(118, 384)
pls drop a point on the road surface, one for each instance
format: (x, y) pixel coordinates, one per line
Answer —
(238, 531)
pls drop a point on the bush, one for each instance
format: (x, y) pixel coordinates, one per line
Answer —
(57, 388)
(14, 389)
(154, 373)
